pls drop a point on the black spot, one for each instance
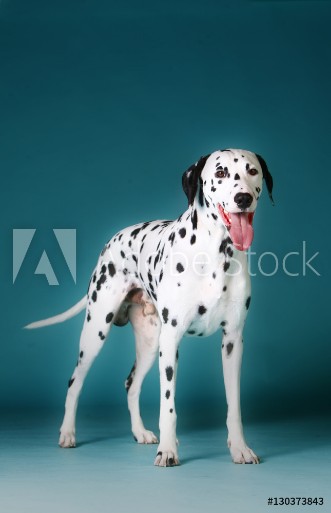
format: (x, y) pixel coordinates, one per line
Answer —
(159, 453)
(150, 277)
(193, 239)
(165, 315)
(134, 258)
(103, 269)
(229, 251)
(161, 275)
(214, 216)
(129, 379)
(169, 373)
(94, 296)
(171, 461)
(94, 277)
(128, 383)
(180, 268)
(111, 269)
(202, 309)
(135, 439)
(200, 334)
(195, 220)
(182, 232)
(214, 275)
(226, 266)
(223, 323)
(200, 196)
(174, 323)
(122, 254)
(248, 302)
(135, 232)
(223, 246)
(167, 394)
(177, 355)
(160, 354)
(236, 176)
(213, 189)
(109, 317)
(191, 332)
(247, 167)
(179, 284)
(172, 238)
(236, 160)
(103, 251)
(224, 288)
(101, 280)
(101, 335)
(258, 190)
(71, 382)
(88, 318)
(206, 203)
(229, 348)
(81, 354)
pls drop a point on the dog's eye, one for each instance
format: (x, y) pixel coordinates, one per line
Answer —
(252, 171)
(221, 173)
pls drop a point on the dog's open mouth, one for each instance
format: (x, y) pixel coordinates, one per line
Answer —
(240, 227)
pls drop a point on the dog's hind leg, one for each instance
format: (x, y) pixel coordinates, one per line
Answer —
(103, 304)
(146, 325)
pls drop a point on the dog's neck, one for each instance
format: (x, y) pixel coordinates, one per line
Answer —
(211, 231)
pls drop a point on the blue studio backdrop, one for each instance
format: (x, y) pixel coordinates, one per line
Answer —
(103, 106)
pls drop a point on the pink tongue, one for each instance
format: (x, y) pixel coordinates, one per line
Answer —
(241, 231)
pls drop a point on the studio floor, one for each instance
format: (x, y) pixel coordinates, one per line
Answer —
(108, 471)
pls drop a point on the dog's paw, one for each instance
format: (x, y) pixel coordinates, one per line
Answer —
(166, 459)
(144, 436)
(67, 439)
(241, 453)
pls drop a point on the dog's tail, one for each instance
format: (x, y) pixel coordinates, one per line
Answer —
(74, 310)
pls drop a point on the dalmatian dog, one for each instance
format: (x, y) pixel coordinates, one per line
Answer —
(170, 279)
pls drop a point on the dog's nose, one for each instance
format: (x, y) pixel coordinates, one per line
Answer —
(243, 200)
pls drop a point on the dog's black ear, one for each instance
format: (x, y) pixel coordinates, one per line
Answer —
(267, 176)
(191, 177)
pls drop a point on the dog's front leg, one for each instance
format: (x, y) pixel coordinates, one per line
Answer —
(232, 349)
(167, 455)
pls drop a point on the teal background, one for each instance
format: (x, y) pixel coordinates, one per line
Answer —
(103, 106)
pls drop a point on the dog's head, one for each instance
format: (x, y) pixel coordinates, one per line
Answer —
(229, 184)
